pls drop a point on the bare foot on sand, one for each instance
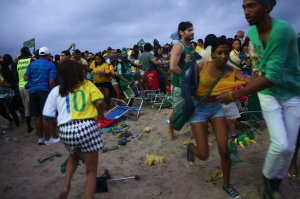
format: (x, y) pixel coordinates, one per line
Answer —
(63, 195)
(171, 134)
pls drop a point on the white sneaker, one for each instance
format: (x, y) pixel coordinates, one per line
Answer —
(41, 141)
(52, 141)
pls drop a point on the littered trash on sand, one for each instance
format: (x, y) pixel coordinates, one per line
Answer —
(165, 121)
(217, 175)
(187, 142)
(148, 129)
(154, 160)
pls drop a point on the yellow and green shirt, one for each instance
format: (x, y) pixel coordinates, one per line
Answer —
(104, 68)
(78, 105)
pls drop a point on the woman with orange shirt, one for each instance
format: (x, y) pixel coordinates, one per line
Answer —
(211, 110)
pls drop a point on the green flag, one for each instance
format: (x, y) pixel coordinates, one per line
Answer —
(30, 43)
(141, 42)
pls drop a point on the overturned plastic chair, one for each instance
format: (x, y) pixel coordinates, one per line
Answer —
(119, 111)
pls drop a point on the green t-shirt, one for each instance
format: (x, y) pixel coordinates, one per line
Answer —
(146, 59)
(181, 63)
(126, 73)
(279, 60)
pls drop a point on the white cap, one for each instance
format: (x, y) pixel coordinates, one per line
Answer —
(234, 61)
(44, 51)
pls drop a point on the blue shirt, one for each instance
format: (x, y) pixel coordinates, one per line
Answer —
(40, 72)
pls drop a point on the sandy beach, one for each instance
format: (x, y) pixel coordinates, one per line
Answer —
(21, 175)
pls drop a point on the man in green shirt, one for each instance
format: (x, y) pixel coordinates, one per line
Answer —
(179, 52)
(275, 44)
(125, 75)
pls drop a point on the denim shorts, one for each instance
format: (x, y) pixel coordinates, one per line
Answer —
(207, 111)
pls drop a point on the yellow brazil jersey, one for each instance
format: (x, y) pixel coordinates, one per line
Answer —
(74, 106)
(134, 69)
(104, 68)
(197, 49)
(112, 67)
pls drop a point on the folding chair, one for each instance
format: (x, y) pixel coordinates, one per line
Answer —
(253, 112)
(162, 99)
(153, 86)
(119, 111)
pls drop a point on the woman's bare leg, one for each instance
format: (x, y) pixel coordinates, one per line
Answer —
(118, 92)
(71, 167)
(91, 164)
(201, 151)
(107, 96)
(219, 125)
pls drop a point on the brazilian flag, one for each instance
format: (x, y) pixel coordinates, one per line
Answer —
(30, 44)
(141, 42)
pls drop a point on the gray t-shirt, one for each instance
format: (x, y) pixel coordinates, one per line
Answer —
(146, 59)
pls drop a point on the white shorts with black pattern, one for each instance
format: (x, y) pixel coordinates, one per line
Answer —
(81, 134)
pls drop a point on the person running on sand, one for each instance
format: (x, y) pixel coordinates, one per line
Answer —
(78, 103)
(211, 110)
(177, 63)
(7, 89)
(278, 87)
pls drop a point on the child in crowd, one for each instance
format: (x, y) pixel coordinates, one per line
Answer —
(236, 48)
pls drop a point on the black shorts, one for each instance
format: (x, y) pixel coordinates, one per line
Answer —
(37, 101)
(17, 101)
(104, 85)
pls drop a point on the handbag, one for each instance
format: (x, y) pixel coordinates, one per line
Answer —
(180, 118)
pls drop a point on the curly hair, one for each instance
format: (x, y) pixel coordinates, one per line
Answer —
(71, 76)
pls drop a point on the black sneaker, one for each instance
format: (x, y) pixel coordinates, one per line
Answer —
(232, 192)
(233, 137)
(270, 189)
(190, 156)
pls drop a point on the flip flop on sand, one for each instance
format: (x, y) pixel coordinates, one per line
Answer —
(126, 134)
(123, 141)
(104, 150)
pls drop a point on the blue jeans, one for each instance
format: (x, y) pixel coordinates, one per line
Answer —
(207, 111)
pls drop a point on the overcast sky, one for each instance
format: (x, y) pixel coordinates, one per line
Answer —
(96, 24)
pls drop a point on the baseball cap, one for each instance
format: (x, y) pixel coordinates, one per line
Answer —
(124, 54)
(240, 31)
(113, 58)
(44, 51)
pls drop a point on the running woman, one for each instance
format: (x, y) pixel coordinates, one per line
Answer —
(278, 87)
(78, 103)
(211, 110)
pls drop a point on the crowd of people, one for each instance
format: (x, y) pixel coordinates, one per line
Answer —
(74, 89)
